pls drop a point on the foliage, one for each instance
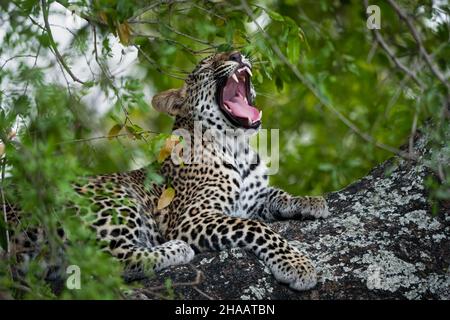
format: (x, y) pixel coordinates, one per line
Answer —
(322, 78)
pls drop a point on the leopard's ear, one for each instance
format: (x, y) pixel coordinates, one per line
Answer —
(170, 101)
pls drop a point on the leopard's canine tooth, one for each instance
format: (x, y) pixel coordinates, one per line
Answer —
(235, 77)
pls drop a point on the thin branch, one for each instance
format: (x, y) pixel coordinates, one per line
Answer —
(154, 290)
(317, 94)
(415, 33)
(5, 215)
(153, 62)
(109, 77)
(58, 55)
(32, 68)
(399, 90)
(393, 58)
(143, 22)
(202, 293)
(91, 20)
(144, 10)
(190, 37)
(177, 43)
(198, 279)
(88, 63)
(413, 131)
(107, 137)
(209, 12)
(15, 57)
(154, 5)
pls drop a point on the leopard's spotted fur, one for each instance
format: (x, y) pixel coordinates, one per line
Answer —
(220, 202)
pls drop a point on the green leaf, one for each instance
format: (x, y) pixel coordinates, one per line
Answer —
(44, 40)
(275, 15)
(293, 48)
(224, 47)
(279, 83)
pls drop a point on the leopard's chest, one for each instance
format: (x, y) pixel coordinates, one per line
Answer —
(251, 180)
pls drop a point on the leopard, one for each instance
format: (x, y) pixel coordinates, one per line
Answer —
(222, 198)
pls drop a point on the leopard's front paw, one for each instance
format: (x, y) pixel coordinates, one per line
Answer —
(298, 272)
(318, 207)
(178, 252)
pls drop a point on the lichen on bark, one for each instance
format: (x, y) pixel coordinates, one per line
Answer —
(380, 242)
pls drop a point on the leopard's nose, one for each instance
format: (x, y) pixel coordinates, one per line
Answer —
(235, 56)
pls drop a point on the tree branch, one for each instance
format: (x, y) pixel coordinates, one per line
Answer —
(58, 55)
(107, 137)
(154, 5)
(153, 62)
(5, 216)
(393, 58)
(418, 39)
(15, 57)
(198, 280)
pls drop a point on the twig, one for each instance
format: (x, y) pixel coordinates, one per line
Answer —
(153, 62)
(144, 22)
(144, 10)
(202, 293)
(177, 43)
(418, 39)
(372, 50)
(58, 55)
(5, 216)
(391, 55)
(198, 279)
(190, 37)
(90, 19)
(15, 57)
(413, 132)
(154, 290)
(311, 87)
(154, 5)
(88, 63)
(393, 58)
(106, 137)
(105, 71)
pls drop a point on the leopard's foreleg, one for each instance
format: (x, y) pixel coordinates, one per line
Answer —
(210, 230)
(280, 205)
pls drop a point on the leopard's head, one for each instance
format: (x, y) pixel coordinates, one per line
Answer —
(219, 93)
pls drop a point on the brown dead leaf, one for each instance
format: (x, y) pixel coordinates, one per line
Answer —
(166, 150)
(166, 198)
(103, 17)
(124, 32)
(114, 131)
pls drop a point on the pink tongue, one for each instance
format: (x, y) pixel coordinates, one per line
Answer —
(242, 109)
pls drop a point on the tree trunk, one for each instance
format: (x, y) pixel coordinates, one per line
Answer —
(380, 242)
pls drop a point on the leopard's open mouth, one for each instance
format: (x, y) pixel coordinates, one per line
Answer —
(235, 100)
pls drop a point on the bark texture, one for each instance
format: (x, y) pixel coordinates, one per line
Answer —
(381, 242)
